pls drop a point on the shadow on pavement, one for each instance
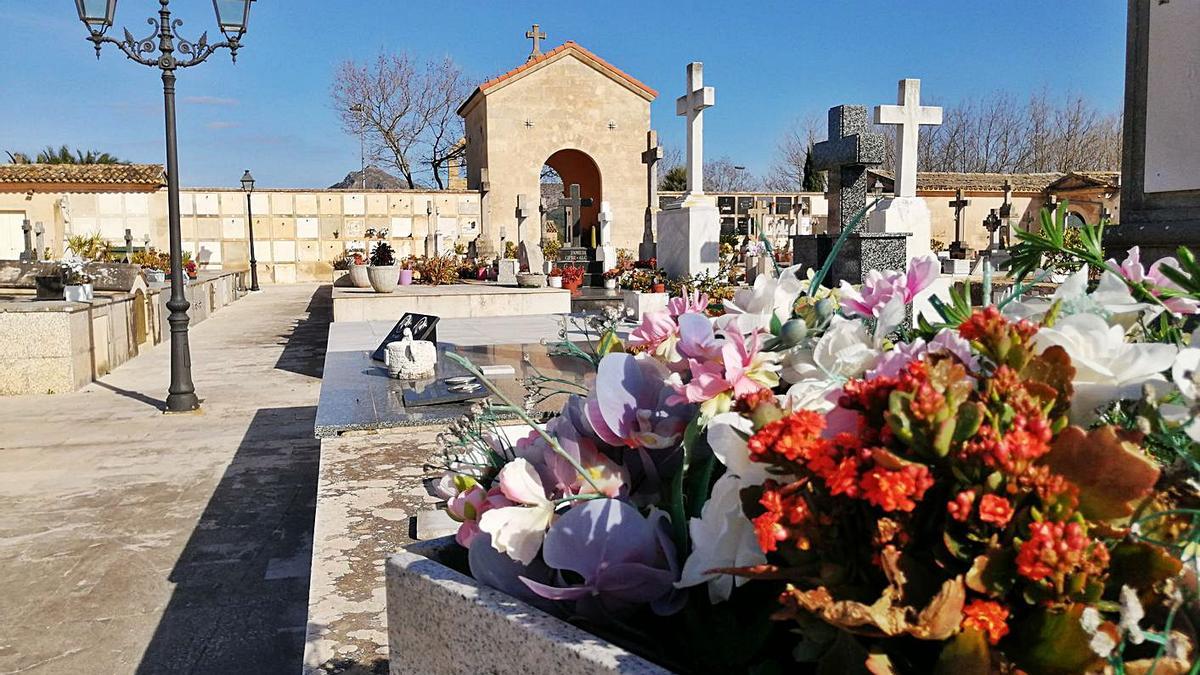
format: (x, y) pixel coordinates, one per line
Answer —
(240, 603)
(304, 346)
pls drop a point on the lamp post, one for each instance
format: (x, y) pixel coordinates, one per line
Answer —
(248, 188)
(158, 50)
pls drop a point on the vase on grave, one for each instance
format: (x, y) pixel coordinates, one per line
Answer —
(383, 278)
(358, 276)
(78, 293)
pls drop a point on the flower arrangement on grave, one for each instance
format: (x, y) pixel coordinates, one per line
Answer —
(190, 268)
(613, 274)
(572, 276)
(510, 249)
(88, 246)
(73, 271)
(383, 255)
(152, 259)
(807, 484)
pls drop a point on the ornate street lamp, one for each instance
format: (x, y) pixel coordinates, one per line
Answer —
(159, 50)
(248, 188)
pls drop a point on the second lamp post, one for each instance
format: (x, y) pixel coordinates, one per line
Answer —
(248, 188)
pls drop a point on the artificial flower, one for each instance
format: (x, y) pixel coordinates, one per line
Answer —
(633, 406)
(518, 530)
(770, 299)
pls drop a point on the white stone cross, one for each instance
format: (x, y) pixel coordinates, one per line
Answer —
(692, 105)
(606, 219)
(909, 116)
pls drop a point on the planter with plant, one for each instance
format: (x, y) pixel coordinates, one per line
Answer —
(357, 264)
(611, 277)
(382, 271)
(77, 283)
(154, 264)
(439, 270)
(572, 278)
(551, 248)
(555, 278)
(406, 272)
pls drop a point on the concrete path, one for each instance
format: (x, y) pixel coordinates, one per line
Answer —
(133, 542)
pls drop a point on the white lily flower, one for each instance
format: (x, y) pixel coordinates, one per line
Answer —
(1107, 367)
(754, 307)
(723, 536)
(845, 351)
(1111, 300)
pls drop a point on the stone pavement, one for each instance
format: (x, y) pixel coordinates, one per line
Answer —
(133, 542)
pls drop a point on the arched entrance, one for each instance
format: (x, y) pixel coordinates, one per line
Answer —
(577, 168)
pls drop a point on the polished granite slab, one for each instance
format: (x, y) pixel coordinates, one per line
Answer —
(357, 394)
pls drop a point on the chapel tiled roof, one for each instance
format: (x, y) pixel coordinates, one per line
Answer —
(150, 175)
(1106, 179)
(569, 45)
(944, 181)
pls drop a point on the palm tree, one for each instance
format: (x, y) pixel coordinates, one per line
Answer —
(18, 157)
(63, 155)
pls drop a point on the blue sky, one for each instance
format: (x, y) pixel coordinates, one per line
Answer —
(769, 61)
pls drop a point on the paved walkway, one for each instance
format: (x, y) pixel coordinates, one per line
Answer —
(133, 542)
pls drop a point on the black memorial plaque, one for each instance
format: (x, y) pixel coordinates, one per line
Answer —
(423, 327)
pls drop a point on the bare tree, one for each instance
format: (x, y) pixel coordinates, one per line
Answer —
(998, 134)
(406, 111)
(722, 175)
(787, 173)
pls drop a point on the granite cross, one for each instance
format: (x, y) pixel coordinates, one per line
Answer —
(908, 116)
(27, 230)
(537, 36)
(574, 205)
(958, 249)
(650, 157)
(850, 149)
(993, 223)
(692, 105)
(1006, 207)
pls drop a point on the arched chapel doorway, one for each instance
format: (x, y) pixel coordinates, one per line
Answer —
(575, 167)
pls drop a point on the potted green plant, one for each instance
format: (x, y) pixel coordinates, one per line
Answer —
(382, 271)
(77, 284)
(551, 248)
(555, 279)
(358, 269)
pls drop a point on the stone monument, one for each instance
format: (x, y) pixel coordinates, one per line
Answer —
(651, 157)
(1160, 154)
(606, 253)
(905, 211)
(959, 255)
(847, 154)
(28, 253)
(689, 230)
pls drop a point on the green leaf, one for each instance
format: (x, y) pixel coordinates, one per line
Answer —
(1052, 642)
(967, 654)
(1140, 565)
(776, 325)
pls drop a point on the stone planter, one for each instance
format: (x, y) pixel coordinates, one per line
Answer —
(529, 280)
(638, 303)
(78, 293)
(358, 276)
(383, 279)
(436, 615)
(156, 276)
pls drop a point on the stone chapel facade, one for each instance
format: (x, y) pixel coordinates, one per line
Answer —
(571, 110)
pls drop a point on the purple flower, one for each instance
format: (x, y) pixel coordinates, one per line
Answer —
(625, 560)
(628, 407)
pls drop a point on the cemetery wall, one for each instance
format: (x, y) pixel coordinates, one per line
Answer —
(297, 233)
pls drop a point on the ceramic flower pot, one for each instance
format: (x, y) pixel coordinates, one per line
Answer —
(78, 293)
(610, 284)
(659, 288)
(358, 276)
(383, 279)
(554, 282)
(406, 277)
(572, 286)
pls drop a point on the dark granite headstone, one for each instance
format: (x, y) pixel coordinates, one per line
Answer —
(862, 252)
(851, 148)
(423, 327)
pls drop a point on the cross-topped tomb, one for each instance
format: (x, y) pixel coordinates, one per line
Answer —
(909, 116)
(847, 154)
(692, 105)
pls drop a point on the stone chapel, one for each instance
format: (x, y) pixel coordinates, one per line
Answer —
(569, 109)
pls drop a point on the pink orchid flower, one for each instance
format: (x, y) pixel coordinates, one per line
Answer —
(518, 530)
(740, 369)
(1132, 270)
(880, 289)
(657, 333)
(693, 302)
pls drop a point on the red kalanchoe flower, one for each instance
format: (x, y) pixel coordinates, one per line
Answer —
(896, 490)
(795, 438)
(988, 617)
(996, 510)
(785, 510)
(1058, 549)
(960, 507)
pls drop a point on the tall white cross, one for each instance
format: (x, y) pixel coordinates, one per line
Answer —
(909, 116)
(692, 105)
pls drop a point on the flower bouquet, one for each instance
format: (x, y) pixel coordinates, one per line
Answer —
(805, 484)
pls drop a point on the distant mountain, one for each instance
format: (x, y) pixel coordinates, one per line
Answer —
(377, 179)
